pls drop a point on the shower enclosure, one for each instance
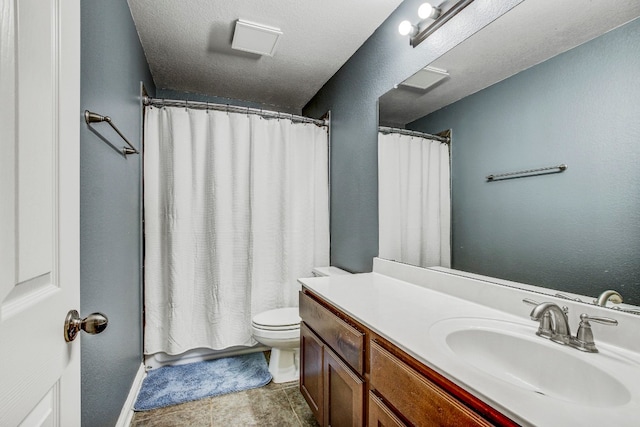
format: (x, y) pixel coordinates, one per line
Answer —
(236, 209)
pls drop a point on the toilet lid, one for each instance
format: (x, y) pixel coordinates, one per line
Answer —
(280, 318)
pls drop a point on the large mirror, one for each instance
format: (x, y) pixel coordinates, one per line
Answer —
(548, 83)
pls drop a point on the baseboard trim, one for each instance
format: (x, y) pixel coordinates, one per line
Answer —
(126, 415)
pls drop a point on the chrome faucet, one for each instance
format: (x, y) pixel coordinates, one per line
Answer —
(554, 325)
(608, 295)
(553, 322)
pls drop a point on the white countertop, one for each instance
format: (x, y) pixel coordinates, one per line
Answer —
(404, 312)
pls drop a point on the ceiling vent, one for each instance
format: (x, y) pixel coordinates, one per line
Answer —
(255, 38)
(426, 78)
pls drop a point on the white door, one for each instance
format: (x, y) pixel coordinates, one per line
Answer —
(39, 211)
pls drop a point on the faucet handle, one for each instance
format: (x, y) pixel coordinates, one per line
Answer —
(584, 337)
(584, 317)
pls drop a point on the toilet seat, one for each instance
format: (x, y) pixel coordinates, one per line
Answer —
(276, 328)
(276, 336)
(280, 319)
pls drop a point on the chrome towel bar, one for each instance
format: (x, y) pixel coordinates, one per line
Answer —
(526, 173)
(90, 117)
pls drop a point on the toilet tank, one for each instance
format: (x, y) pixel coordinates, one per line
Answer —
(328, 271)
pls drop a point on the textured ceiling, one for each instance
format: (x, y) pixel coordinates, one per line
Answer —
(188, 45)
(528, 34)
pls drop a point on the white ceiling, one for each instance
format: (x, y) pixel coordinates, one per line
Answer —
(188, 45)
(530, 33)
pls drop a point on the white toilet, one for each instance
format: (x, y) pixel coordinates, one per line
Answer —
(280, 330)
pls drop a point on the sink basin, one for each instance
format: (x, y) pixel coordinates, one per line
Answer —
(511, 352)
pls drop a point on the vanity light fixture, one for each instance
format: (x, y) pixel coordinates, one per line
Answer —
(406, 28)
(427, 11)
(431, 18)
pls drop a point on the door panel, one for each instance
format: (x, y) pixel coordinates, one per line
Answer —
(39, 212)
(37, 76)
(45, 412)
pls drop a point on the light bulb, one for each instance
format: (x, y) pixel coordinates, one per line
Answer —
(427, 11)
(406, 28)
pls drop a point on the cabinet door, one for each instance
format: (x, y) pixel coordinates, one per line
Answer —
(343, 393)
(380, 415)
(311, 371)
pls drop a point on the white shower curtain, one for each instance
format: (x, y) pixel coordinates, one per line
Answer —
(236, 209)
(414, 200)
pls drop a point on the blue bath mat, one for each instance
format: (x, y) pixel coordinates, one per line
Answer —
(171, 385)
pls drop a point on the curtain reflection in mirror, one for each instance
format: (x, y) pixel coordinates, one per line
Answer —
(414, 200)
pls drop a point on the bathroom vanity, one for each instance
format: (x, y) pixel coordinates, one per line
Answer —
(428, 347)
(334, 377)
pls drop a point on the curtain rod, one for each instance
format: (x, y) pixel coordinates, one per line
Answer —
(386, 130)
(158, 102)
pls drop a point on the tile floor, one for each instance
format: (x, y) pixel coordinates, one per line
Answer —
(271, 405)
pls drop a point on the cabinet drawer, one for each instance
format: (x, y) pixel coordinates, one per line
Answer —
(419, 400)
(344, 339)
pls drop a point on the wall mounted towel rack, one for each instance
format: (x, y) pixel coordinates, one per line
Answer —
(90, 117)
(526, 173)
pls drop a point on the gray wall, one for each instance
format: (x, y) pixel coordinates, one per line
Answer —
(112, 66)
(577, 231)
(385, 59)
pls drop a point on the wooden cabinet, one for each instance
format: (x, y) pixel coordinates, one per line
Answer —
(342, 362)
(331, 364)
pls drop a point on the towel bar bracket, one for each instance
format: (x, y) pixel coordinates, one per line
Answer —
(90, 117)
